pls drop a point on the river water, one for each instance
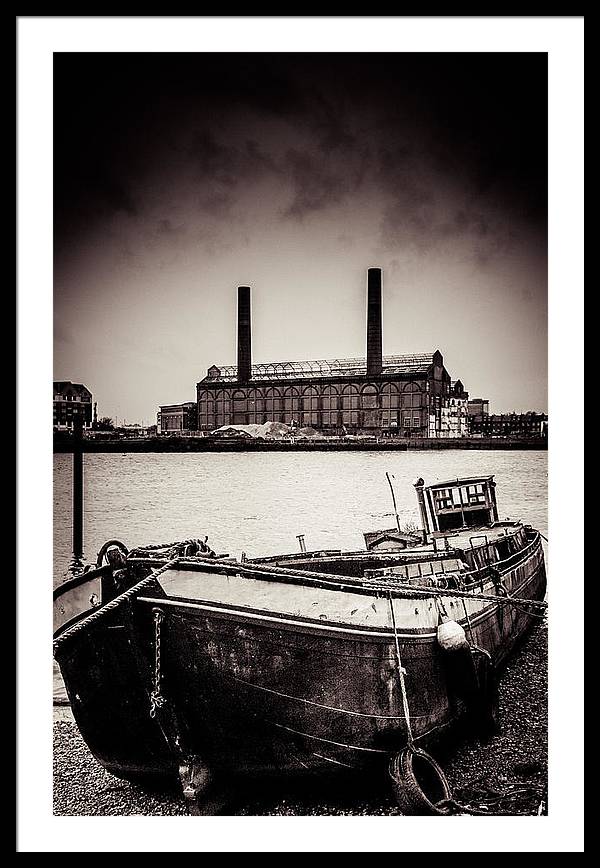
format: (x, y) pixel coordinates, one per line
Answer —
(259, 502)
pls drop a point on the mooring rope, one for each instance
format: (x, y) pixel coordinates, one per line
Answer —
(401, 674)
(352, 582)
(418, 593)
(468, 622)
(111, 606)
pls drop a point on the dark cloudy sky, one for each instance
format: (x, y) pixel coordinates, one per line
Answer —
(180, 176)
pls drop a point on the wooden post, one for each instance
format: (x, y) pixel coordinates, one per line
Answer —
(77, 563)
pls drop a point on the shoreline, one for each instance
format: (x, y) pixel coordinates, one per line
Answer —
(207, 444)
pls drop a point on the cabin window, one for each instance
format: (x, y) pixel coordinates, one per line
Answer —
(444, 498)
(475, 494)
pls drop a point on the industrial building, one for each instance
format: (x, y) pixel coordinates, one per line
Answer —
(71, 400)
(407, 395)
(177, 418)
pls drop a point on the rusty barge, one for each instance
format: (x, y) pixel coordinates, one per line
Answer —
(183, 664)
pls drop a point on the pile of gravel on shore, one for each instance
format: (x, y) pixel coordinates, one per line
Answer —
(506, 775)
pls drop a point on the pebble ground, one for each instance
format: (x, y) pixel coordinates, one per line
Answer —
(506, 775)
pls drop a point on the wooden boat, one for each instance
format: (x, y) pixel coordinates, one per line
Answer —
(180, 662)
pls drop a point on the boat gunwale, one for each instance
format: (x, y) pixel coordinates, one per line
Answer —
(296, 623)
(80, 579)
(349, 584)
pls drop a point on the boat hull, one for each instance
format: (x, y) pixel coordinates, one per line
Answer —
(262, 692)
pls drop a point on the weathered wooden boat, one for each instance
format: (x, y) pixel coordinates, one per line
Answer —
(182, 663)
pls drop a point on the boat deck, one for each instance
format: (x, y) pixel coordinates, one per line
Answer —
(361, 607)
(461, 540)
(477, 536)
(276, 598)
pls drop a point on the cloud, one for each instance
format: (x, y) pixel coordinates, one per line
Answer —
(444, 151)
(315, 187)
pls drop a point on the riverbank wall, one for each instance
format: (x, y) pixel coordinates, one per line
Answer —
(208, 444)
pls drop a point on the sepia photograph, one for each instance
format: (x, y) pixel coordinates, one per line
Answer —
(301, 555)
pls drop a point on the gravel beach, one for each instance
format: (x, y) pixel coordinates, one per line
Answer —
(507, 775)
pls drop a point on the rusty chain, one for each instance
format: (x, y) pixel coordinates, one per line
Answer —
(157, 700)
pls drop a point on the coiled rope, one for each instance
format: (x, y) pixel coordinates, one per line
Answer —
(186, 547)
(99, 614)
(481, 801)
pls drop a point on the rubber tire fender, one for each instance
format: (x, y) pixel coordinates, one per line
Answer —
(419, 784)
(111, 542)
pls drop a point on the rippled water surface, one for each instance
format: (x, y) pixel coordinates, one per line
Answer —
(259, 502)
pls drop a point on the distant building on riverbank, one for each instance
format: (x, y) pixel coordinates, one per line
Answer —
(478, 408)
(135, 430)
(177, 418)
(455, 414)
(407, 395)
(525, 425)
(71, 401)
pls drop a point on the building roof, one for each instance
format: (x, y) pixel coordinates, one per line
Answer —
(66, 386)
(467, 480)
(417, 363)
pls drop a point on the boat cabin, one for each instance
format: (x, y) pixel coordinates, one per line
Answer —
(458, 503)
(391, 539)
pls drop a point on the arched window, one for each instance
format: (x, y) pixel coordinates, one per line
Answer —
(310, 399)
(273, 403)
(310, 406)
(257, 405)
(390, 396)
(350, 398)
(240, 403)
(330, 400)
(411, 396)
(369, 397)
(291, 404)
(222, 405)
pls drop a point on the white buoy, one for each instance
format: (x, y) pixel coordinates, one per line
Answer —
(451, 636)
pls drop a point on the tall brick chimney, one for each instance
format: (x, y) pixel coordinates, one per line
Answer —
(244, 338)
(374, 351)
